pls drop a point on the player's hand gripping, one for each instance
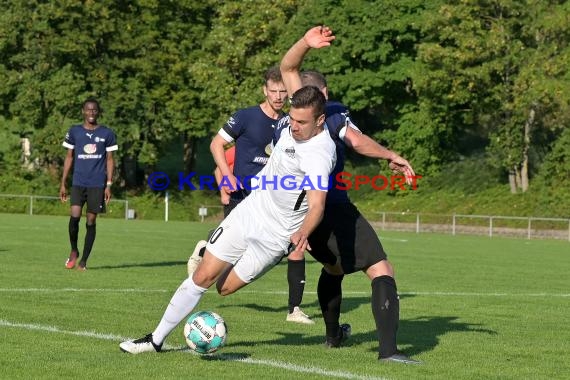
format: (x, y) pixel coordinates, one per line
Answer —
(319, 36)
(299, 243)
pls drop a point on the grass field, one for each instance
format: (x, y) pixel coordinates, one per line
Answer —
(471, 308)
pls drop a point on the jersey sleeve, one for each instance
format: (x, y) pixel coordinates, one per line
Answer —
(233, 128)
(69, 140)
(338, 120)
(111, 142)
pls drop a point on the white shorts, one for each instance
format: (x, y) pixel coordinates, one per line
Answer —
(246, 244)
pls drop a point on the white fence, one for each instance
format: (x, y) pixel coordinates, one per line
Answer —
(32, 201)
(491, 225)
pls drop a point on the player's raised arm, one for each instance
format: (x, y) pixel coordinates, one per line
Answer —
(366, 146)
(317, 37)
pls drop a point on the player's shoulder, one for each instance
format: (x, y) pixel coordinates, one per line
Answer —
(76, 127)
(248, 111)
(334, 107)
(105, 128)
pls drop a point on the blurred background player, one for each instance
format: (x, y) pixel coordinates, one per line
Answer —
(90, 148)
(344, 242)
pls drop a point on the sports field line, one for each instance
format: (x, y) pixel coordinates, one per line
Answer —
(226, 357)
(280, 292)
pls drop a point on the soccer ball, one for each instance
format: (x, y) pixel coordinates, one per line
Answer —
(205, 332)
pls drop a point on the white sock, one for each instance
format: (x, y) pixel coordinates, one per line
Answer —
(182, 303)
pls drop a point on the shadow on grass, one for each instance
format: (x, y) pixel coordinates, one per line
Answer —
(140, 265)
(421, 334)
(348, 304)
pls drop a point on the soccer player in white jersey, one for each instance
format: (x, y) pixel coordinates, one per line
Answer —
(277, 217)
(345, 242)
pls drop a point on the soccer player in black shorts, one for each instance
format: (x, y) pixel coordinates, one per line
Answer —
(345, 242)
(90, 148)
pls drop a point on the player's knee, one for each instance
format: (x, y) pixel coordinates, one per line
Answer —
(296, 256)
(381, 268)
(334, 270)
(202, 279)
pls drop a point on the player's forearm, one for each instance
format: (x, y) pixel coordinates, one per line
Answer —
(291, 64)
(66, 168)
(110, 168)
(366, 146)
(313, 218)
(217, 150)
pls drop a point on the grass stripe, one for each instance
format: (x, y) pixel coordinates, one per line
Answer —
(280, 292)
(224, 357)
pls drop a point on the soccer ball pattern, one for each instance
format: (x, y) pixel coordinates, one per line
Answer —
(205, 332)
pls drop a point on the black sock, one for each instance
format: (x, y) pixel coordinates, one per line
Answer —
(296, 280)
(89, 240)
(73, 232)
(329, 291)
(386, 311)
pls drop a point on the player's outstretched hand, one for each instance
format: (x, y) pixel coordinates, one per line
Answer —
(319, 36)
(401, 165)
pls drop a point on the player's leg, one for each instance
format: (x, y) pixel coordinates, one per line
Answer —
(182, 303)
(370, 256)
(95, 205)
(329, 291)
(77, 202)
(296, 281)
(200, 247)
(263, 252)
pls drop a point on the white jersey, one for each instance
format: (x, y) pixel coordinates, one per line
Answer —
(278, 198)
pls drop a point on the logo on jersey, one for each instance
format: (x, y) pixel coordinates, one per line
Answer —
(90, 148)
(89, 135)
(290, 152)
(269, 149)
(97, 139)
(231, 122)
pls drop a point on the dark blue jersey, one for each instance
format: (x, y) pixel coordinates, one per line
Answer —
(337, 119)
(90, 147)
(252, 130)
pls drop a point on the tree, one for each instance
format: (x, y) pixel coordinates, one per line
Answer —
(485, 71)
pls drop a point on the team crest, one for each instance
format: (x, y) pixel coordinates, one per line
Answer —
(90, 148)
(290, 152)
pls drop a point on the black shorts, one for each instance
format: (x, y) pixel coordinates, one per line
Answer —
(230, 206)
(345, 235)
(94, 196)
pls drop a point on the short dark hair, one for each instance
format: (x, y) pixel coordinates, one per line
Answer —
(313, 78)
(309, 97)
(91, 100)
(273, 74)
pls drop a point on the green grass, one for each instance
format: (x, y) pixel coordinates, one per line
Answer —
(471, 308)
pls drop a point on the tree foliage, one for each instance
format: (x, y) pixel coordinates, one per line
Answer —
(435, 80)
